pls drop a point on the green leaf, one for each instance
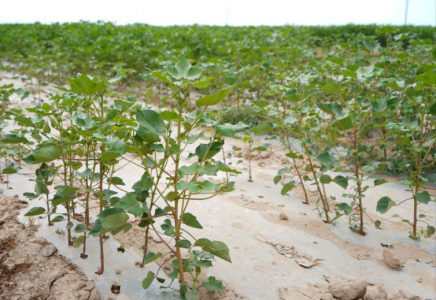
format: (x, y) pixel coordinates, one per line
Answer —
(108, 155)
(114, 221)
(212, 284)
(221, 250)
(148, 280)
(80, 228)
(262, 128)
(384, 204)
(229, 130)
(215, 98)
(432, 110)
(345, 207)
(330, 108)
(429, 78)
(45, 153)
(10, 169)
(430, 231)
(379, 181)
(116, 181)
(183, 244)
(82, 84)
(78, 241)
(183, 69)
(13, 138)
(169, 115)
(152, 121)
(192, 295)
(403, 141)
(287, 187)
(344, 123)
(370, 44)
(161, 76)
(206, 151)
(377, 224)
(277, 179)
(23, 121)
(204, 243)
(35, 211)
(171, 196)
(380, 105)
(217, 248)
(331, 88)
(58, 219)
(325, 179)
(423, 197)
(326, 159)
(150, 257)
(341, 181)
(191, 220)
(131, 205)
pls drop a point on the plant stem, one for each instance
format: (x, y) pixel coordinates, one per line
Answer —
(315, 177)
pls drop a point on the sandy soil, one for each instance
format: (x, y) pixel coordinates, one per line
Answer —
(26, 272)
(273, 237)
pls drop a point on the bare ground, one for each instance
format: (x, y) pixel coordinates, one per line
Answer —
(25, 273)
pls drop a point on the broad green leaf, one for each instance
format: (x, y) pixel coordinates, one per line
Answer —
(35, 211)
(403, 141)
(384, 204)
(277, 179)
(161, 76)
(148, 280)
(10, 169)
(326, 159)
(116, 181)
(183, 69)
(191, 295)
(344, 123)
(377, 224)
(213, 284)
(78, 241)
(82, 84)
(131, 205)
(423, 197)
(151, 256)
(206, 151)
(229, 130)
(371, 44)
(287, 187)
(191, 220)
(217, 248)
(331, 88)
(152, 121)
(80, 228)
(379, 181)
(45, 153)
(330, 108)
(215, 98)
(58, 219)
(345, 207)
(183, 244)
(108, 155)
(114, 221)
(262, 128)
(221, 250)
(433, 110)
(325, 179)
(341, 181)
(430, 231)
(13, 138)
